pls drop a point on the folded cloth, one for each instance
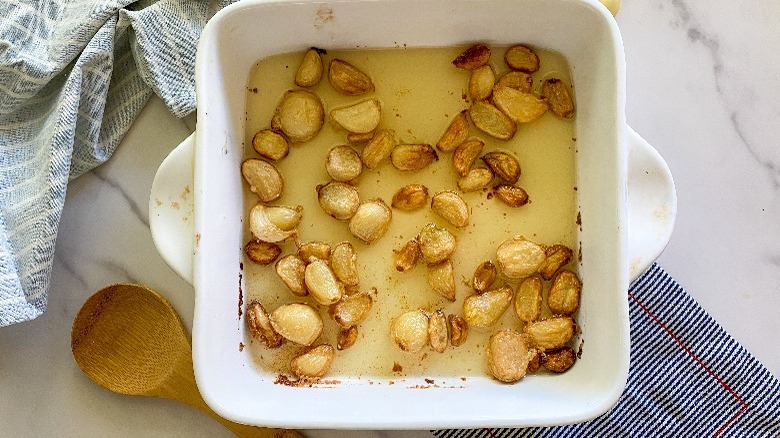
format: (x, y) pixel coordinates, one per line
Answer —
(74, 74)
(687, 378)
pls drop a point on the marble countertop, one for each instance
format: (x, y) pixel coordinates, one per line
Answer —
(703, 87)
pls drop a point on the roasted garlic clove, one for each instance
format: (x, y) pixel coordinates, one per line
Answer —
(322, 283)
(292, 270)
(298, 323)
(485, 309)
(451, 207)
(456, 133)
(475, 179)
(361, 117)
(263, 178)
(314, 249)
(503, 165)
(406, 258)
(310, 71)
(508, 355)
(518, 80)
(343, 261)
(259, 323)
(410, 197)
(528, 299)
(360, 137)
(559, 360)
(274, 224)
(270, 144)
(348, 79)
(521, 58)
(299, 116)
(564, 295)
(490, 120)
(412, 156)
(410, 331)
(518, 258)
(343, 163)
(557, 94)
(481, 83)
(557, 256)
(465, 154)
(351, 309)
(338, 199)
(459, 330)
(441, 278)
(519, 106)
(436, 244)
(484, 276)
(551, 333)
(312, 364)
(511, 195)
(438, 335)
(262, 253)
(473, 57)
(346, 338)
(371, 220)
(379, 148)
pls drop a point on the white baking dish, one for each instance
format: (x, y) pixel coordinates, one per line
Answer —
(628, 210)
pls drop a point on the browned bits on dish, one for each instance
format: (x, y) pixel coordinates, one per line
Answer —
(410, 331)
(379, 148)
(270, 144)
(274, 224)
(484, 276)
(481, 82)
(503, 165)
(459, 330)
(410, 197)
(310, 71)
(351, 309)
(348, 79)
(528, 299)
(314, 250)
(371, 220)
(437, 331)
(557, 256)
(518, 80)
(511, 195)
(508, 355)
(361, 117)
(441, 278)
(346, 338)
(343, 163)
(551, 333)
(451, 207)
(299, 116)
(298, 323)
(476, 179)
(436, 244)
(559, 360)
(485, 309)
(263, 178)
(406, 257)
(519, 106)
(291, 269)
(490, 120)
(412, 156)
(564, 295)
(322, 283)
(518, 258)
(338, 199)
(465, 154)
(521, 58)
(259, 323)
(262, 253)
(456, 133)
(312, 364)
(473, 57)
(557, 94)
(343, 261)
(360, 137)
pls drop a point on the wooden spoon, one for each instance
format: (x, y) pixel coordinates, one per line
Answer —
(129, 339)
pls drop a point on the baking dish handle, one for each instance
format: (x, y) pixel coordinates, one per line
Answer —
(652, 204)
(171, 209)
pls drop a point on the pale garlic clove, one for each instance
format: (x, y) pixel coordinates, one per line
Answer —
(270, 144)
(410, 331)
(476, 179)
(410, 197)
(348, 79)
(371, 221)
(436, 244)
(343, 163)
(465, 155)
(361, 117)
(299, 116)
(481, 83)
(508, 356)
(259, 323)
(518, 258)
(503, 165)
(456, 133)
(346, 338)
(474, 57)
(262, 253)
(312, 364)
(292, 270)
(343, 261)
(518, 80)
(511, 195)
(490, 120)
(263, 178)
(559, 360)
(298, 323)
(519, 106)
(438, 335)
(521, 58)
(322, 283)
(314, 249)
(557, 94)
(557, 256)
(310, 71)
(338, 199)
(441, 278)
(484, 276)
(274, 224)
(564, 295)
(351, 309)
(551, 333)
(379, 148)
(485, 309)
(407, 157)
(451, 207)
(459, 330)
(528, 299)
(406, 257)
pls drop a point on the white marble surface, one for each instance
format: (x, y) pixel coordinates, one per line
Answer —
(703, 87)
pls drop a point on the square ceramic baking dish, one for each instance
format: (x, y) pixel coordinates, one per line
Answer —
(587, 36)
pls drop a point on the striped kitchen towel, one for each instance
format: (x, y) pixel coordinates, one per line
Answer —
(687, 378)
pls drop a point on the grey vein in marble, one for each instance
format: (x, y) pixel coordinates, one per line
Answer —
(65, 263)
(134, 207)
